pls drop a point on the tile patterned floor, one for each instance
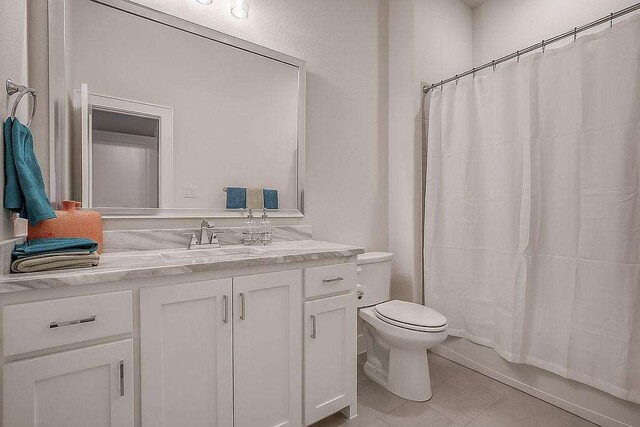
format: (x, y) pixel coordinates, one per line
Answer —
(461, 397)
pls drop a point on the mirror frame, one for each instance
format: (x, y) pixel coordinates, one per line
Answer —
(64, 163)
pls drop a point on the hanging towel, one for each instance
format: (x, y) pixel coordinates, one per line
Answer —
(24, 187)
(60, 245)
(236, 197)
(255, 198)
(270, 198)
(55, 261)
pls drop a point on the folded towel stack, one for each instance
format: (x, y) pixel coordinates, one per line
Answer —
(54, 254)
(253, 198)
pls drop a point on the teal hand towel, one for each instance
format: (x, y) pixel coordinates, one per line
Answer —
(24, 186)
(41, 246)
(270, 198)
(236, 197)
(13, 197)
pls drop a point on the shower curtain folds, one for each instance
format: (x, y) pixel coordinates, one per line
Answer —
(532, 214)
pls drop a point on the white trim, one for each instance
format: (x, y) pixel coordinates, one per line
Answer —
(176, 213)
(164, 115)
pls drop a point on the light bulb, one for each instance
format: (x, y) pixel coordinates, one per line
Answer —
(205, 1)
(240, 8)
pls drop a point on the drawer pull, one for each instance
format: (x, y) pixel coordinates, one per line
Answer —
(121, 376)
(54, 325)
(314, 327)
(335, 279)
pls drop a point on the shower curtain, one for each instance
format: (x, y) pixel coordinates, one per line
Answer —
(532, 214)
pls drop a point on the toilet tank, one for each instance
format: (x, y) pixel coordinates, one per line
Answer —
(374, 277)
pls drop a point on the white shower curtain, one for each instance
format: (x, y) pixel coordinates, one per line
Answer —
(532, 224)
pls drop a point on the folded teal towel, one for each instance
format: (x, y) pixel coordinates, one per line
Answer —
(270, 198)
(236, 197)
(41, 246)
(24, 190)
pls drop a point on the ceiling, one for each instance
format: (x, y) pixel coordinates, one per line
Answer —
(473, 3)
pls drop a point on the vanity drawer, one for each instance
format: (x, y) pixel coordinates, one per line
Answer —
(44, 324)
(329, 279)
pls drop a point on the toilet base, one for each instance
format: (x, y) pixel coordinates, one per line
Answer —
(408, 375)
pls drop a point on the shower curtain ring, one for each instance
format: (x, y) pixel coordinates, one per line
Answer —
(441, 84)
(493, 64)
(611, 21)
(518, 56)
(543, 46)
(456, 80)
(473, 71)
(575, 33)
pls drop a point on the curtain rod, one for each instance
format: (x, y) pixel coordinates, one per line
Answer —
(609, 18)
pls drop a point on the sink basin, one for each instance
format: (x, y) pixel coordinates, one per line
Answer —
(212, 253)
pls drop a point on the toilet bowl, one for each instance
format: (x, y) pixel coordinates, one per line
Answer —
(397, 333)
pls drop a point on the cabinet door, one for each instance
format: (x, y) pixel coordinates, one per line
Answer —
(185, 355)
(329, 356)
(267, 350)
(91, 386)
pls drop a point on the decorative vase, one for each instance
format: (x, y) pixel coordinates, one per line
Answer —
(70, 222)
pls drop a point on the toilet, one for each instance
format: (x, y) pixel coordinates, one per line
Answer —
(397, 333)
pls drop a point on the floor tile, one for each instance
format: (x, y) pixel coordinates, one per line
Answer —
(378, 423)
(364, 419)
(377, 399)
(415, 414)
(442, 368)
(455, 404)
(477, 385)
(580, 422)
(494, 418)
(533, 411)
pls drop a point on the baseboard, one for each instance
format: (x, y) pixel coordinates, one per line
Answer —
(602, 409)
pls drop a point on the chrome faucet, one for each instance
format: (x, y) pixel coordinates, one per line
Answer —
(208, 237)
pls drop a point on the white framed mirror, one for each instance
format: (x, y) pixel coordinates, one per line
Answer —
(154, 116)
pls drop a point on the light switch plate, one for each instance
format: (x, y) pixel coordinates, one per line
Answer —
(190, 192)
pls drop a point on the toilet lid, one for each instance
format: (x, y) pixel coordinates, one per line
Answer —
(411, 316)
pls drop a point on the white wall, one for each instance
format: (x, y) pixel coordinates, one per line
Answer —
(501, 27)
(13, 64)
(428, 41)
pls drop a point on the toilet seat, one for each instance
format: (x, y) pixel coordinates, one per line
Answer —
(411, 316)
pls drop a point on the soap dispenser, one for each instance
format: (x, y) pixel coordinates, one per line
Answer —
(249, 229)
(265, 226)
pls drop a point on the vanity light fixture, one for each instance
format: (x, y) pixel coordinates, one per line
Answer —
(240, 8)
(205, 1)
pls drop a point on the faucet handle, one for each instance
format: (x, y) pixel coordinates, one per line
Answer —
(193, 239)
(206, 224)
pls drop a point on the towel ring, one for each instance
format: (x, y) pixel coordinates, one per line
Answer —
(13, 88)
(33, 104)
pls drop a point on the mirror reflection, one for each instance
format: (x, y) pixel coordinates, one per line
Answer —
(172, 118)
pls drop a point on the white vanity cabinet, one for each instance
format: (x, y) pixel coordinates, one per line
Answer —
(185, 354)
(330, 345)
(193, 375)
(330, 356)
(249, 347)
(267, 349)
(91, 385)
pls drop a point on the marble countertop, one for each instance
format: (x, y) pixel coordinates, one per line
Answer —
(139, 264)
